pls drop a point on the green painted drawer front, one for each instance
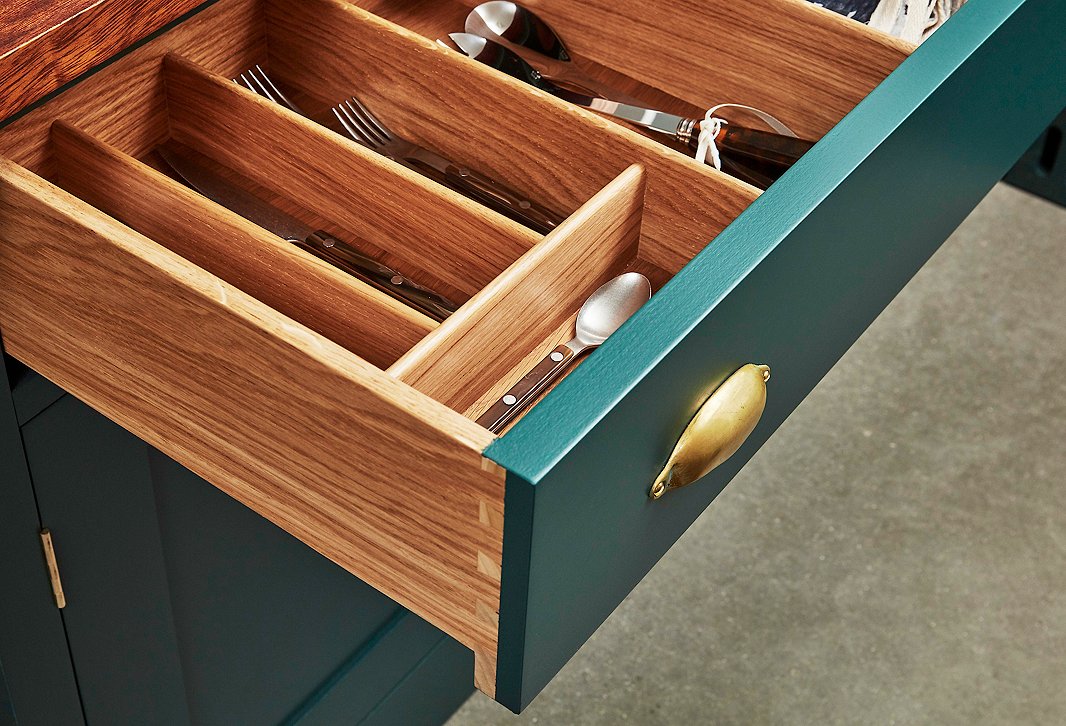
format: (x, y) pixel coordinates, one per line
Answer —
(792, 283)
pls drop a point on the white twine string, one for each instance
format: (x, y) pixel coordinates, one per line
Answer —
(712, 126)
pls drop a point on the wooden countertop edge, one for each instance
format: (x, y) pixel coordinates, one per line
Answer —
(40, 62)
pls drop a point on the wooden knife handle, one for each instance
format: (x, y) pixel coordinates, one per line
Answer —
(755, 156)
(526, 390)
(357, 264)
(501, 198)
(766, 146)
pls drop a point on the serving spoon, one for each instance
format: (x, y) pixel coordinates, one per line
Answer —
(602, 314)
(527, 34)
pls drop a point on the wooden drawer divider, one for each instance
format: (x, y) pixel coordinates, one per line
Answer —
(480, 347)
(285, 277)
(426, 225)
(549, 149)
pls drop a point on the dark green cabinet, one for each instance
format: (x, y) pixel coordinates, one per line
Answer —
(183, 606)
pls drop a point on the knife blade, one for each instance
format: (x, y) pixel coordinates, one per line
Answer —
(189, 166)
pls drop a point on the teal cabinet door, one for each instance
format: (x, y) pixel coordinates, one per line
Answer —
(183, 606)
(37, 685)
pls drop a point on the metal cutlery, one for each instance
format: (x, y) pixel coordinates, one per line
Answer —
(531, 38)
(758, 157)
(367, 129)
(601, 315)
(190, 167)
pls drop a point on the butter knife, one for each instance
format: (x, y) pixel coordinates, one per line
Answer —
(321, 244)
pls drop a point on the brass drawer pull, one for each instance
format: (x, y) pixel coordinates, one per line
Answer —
(718, 429)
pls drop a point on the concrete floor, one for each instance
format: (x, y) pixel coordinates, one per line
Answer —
(896, 554)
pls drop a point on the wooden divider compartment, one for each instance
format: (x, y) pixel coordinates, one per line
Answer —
(280, 274)
(548, 149)
(436, 236)
(424, 225)
(484, 347)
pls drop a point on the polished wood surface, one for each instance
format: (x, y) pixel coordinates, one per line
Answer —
(23, 20)
(126, 104)
(44, 45)
(375, 476)
(288, 279)
(484, 342)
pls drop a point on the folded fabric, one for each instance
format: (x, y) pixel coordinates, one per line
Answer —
(911, 20)
(860, 10)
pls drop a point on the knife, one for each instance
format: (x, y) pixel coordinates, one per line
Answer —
(764, 154)
(342, 255)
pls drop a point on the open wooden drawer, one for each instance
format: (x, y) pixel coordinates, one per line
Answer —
(347, 418)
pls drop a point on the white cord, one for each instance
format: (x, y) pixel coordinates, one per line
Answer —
(712, 126)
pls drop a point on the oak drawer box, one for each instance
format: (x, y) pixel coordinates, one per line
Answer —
(347, 418)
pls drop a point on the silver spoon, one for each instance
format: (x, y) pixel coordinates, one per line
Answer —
(602, 314)
(526, 34)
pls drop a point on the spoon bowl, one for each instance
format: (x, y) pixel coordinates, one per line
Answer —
(525, 33)
(602, 314)
(518, 25)
(610, 306)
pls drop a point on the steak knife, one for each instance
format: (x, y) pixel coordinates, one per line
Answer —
(321, 244)
(756, 156)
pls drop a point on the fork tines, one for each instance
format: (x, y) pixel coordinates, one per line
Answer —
(361, 124)
(257, 81)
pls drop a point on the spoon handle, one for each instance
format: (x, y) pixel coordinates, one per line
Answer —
(526, 390)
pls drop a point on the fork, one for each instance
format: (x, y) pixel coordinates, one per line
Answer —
(367, 129)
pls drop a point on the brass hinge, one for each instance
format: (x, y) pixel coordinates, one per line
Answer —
(53, 568)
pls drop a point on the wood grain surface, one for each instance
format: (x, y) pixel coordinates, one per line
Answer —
(21, 21)
(482, 343)
(787, 57)
(554, 152)
(374, 475)
(125, 105)
(46, 44)
(367, 322)
(430, 227)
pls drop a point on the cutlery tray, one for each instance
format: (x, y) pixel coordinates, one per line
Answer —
(634, 204)
(340, 414)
